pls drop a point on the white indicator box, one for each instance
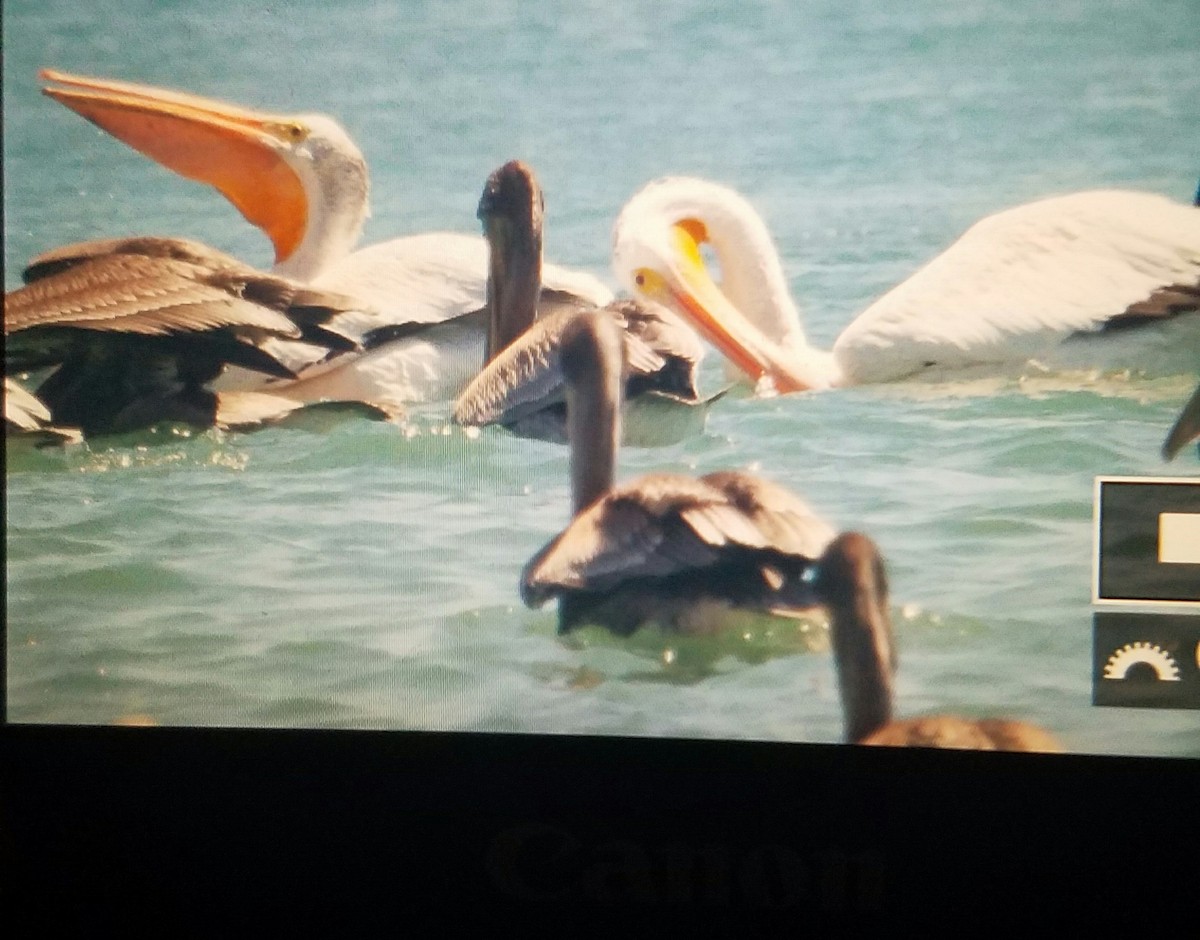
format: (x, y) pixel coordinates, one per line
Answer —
(1179, 538)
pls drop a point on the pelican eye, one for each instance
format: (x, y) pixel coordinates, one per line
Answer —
(650, 283)
(291, 131)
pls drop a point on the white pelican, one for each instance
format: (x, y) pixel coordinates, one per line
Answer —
(521, 384)
(1185, 429)
(302, 181)
(135, 331)
(1104, 279)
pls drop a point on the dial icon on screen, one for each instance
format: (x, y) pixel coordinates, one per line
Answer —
(1142, 661)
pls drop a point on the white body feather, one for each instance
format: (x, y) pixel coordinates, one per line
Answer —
(430, 278)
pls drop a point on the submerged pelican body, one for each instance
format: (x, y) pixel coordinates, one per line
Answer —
(1097, 280)
(521, 385)
(303, 181)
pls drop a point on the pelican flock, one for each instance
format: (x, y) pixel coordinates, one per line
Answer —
(127, 332)
(302, 180)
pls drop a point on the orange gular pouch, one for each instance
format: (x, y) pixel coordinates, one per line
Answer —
(236, 157)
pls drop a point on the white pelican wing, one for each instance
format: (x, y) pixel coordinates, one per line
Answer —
(418, 279)
(22, 409)
(429, 278)
(1019, 283)
(434, 278)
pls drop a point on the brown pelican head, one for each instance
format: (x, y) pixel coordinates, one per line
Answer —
(852, 583)
(511, 209)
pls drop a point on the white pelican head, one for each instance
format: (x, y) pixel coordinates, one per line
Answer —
(749, 316)
(298, 178)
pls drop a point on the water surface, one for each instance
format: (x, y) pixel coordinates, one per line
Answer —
(364, 575)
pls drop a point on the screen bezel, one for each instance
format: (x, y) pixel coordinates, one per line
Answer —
(412, 823)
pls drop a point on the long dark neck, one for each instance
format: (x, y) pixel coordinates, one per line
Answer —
(592, 353)
(853, 584)
(514, 281)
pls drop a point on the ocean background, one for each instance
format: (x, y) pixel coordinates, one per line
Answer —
(363, 575)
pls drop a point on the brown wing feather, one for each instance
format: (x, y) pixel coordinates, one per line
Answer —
(634, 531)
(663, 525)
(786, 521)
(674, 349)
(526, 376)
(151, 246)
(1171, 301)
(137, 327)
(156, 285)
(137, 294)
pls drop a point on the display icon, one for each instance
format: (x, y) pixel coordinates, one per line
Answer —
(1146, 660)
(1147, 540)
(1154, 662)
(1179, 538)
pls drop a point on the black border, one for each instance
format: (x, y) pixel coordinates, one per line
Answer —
(191, 830)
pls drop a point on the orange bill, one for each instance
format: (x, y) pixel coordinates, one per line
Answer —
(719, 321)
(239, 152)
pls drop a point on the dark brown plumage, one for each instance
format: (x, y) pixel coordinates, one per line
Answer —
(851, 582)
(685, 553)
(135, 329)
(520, 385)
(671, 549)
(1185, 429)
(1171, 301)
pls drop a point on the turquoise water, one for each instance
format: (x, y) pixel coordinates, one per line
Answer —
(363, 575)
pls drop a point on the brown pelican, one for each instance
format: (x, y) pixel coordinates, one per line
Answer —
(521, 385)
(1103, 279)
(303, 181)
(680, 551)
(1186, 428)
(851, 583)
(686, 552)
(135, 331)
